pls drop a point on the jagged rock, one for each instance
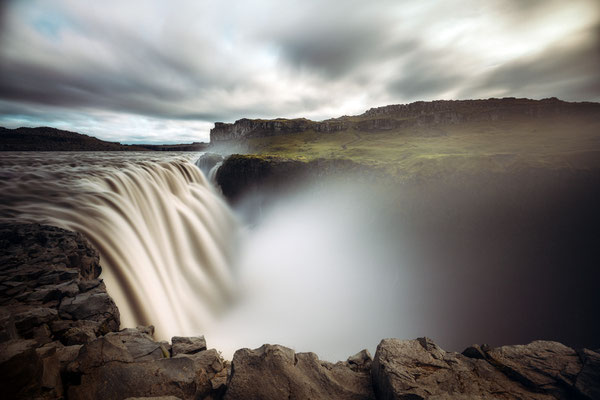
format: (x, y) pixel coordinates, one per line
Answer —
(140, 345)
(26, 321)
(210, 362)
(94, 305)
(419, 369)
(361, 361)
(117, 380)
(79, 335)
(276, 372)
(99, 352)
(588, 380)
(25, 373)
(187, 345)
(549, 366)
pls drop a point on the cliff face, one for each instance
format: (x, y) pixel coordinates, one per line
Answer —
(398, 116)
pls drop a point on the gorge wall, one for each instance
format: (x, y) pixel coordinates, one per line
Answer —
(400, 116)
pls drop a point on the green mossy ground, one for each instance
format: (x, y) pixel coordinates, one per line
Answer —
(494, 146)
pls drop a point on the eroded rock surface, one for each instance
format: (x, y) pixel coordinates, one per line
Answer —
(276, 372)
(419, 369)
(52, 302)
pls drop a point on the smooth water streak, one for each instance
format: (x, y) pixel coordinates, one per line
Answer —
(164, 236)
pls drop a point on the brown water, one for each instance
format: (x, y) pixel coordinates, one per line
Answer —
(164, 235)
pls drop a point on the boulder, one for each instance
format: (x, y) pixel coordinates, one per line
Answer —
(26, 373)
(550, 367)
(276, 372)
(187, 345)
(587, 382)
(166, 377)
(419, 369)
(140, 345)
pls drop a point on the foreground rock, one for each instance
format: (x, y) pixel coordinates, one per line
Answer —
(419, 369)
(276, 372)
(52, 303)
(131, 364)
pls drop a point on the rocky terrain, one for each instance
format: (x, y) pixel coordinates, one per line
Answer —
(51, 139)
(60, 338)
(403, 116)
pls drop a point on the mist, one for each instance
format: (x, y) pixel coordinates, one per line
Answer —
(318, 273)
(333, 267)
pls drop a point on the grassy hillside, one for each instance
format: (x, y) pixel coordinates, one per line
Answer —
(570, 142)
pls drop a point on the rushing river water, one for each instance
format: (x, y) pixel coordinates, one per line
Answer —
(330, 270)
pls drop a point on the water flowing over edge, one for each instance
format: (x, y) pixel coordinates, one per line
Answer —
(164, 236)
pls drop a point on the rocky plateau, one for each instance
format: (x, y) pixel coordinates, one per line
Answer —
(400, 116)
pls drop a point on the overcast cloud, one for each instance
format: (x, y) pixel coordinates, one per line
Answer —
(164, 71)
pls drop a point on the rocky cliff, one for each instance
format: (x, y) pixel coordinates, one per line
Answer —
(59, 338)
(399, 116)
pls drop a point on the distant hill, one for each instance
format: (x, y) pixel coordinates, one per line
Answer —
(403, 117)
(51, 139)
(433, 138)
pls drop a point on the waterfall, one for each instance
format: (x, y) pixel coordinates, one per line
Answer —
(164, 236)
(212, 174)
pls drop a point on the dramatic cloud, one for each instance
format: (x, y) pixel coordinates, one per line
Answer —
(164, 71)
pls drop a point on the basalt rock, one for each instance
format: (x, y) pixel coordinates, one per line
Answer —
(130, 363)
(250, 174)
(276, 372)
(419, 369)
(52, 301)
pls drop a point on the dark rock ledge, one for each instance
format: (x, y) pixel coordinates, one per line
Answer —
(59, 338)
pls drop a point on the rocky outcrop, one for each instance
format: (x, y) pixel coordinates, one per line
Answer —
(419, 369)
(276, 372)
(134, 365)
(52, 303)
(400, 116)
(244, 174)
(59, 331)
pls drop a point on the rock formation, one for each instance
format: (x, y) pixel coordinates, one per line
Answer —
(242, 174)
(59, 338)
(399, 116)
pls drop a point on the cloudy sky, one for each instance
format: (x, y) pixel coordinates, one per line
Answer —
(164, 71)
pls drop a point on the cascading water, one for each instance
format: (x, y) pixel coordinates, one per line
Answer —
(164, 236)
(331, 267)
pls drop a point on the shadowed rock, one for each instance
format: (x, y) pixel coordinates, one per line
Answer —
(188, 345)
(419, 369)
